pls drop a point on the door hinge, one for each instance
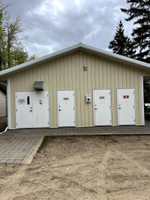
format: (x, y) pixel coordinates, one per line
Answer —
(133, 106)
(73, 108)
(48, 122)
(48, 109)
(16, 110)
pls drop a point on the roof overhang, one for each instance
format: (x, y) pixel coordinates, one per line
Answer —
(105, 54)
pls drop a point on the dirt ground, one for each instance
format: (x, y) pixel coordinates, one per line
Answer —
(82, 168)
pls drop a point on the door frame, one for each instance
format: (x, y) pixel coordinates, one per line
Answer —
(118, 105)
(58, 118)
(48, 107)
(94, 118)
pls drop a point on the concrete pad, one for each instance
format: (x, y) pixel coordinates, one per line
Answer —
(18, 149)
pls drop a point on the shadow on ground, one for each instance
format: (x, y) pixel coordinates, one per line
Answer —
(3, 123)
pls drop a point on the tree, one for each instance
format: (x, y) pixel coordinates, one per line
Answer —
(121, 44)
(2, 8)
(147, 91)
(140, 12)
(11, 46)
(14, 47)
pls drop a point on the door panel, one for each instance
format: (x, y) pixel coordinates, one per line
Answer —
(32, 109)
(23, 109)
(126, 106)
(66, 108)
(40, 109)
(102, 107)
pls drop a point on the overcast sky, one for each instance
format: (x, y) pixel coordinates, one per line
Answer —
(51, 25)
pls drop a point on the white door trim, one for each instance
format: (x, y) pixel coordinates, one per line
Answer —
(118, 113)
(94, 117)
(93, 108)
(142, 100)
(49, 116)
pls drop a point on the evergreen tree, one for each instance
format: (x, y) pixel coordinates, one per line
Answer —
(140, 12)
(121, 44)
(147, 91)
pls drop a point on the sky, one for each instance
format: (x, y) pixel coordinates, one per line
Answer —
(51, 25)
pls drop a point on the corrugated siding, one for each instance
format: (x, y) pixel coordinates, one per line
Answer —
(66, 73)
(2, 104)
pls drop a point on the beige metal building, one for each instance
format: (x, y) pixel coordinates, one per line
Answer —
(78, 86)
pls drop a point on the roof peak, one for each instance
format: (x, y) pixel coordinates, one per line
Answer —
(73, 48)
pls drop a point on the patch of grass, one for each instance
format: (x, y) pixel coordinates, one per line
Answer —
(45, 141)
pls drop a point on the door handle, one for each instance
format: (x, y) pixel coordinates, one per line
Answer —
(96, 109)
(59, 109)
(119, 107)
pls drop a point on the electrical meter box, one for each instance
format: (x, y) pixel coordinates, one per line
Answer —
(87, 98)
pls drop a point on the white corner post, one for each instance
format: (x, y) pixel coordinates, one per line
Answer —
(142, 100)
(8, 105)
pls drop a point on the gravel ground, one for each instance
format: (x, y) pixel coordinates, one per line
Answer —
(82, 167)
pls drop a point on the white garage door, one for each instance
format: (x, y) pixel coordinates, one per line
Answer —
(32, 109)
(126, 106)
(66, 108)
(102, 107)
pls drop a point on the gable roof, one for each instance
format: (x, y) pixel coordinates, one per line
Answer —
(71, 49)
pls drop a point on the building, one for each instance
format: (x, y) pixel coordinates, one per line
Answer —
(79, 86)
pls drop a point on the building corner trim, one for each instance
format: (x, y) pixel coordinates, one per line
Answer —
(8, 104)
(142, 101)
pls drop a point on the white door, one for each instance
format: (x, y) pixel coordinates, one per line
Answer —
(126, 106)
(66, 108)
(40, 109)
(102, 107)
(32, 109)
(23, 109)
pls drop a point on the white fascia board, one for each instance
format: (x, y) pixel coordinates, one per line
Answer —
(94, 50)
(118, 57)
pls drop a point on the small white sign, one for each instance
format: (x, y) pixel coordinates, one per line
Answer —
(21, 101)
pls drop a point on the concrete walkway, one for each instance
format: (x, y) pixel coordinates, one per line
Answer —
(20, 146)
(18, 149)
